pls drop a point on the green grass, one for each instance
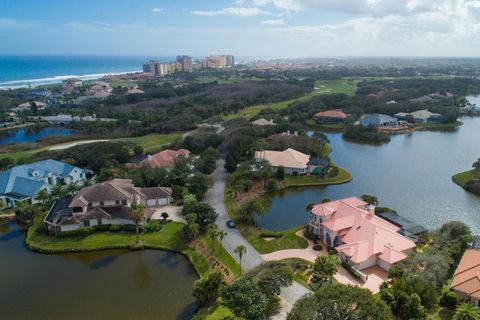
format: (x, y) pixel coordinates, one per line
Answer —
(288, 240)
(299, 277)
(440, 125)
(311, 180)
(223, 255)
(216, 312)
(463, 177)
(347, 86)
(151, 142)
(441, 314)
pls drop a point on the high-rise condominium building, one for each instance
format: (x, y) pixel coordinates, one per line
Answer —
(186, 62)
(157, 69)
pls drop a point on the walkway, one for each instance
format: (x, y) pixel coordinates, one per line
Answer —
(251, 259)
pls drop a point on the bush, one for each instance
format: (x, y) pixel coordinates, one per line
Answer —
(333, 172)
(270, 234)
(280, 173)
(271, 186)
(153, 226)
(309, 235)
(115, 228)
(317, 247)
(449, 299)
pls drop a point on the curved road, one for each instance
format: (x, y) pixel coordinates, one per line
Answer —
(251, 259)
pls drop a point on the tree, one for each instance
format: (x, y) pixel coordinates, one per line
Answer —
(212, 233)
(138, 150)
(272, 276)
(309, 207)
(207, 290)
(194, 229)
(206, 215)
(325, 200)
(340, 302)
(280, 173)
(325, 268)
(137, 214)
(72, 188)
(370, 199)
(221, 234)
(58, 191)
(414, 309)
(245, 299)
(164, 216)
(466, 311)
(43, 196)
(240, 250)
(250, 207)
(5, 163)
(476, 166)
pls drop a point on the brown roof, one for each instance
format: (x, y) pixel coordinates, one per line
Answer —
(94, 213)
(164, 159)
(336, 114)
(157, 192)
(467, 275)
(116, 189)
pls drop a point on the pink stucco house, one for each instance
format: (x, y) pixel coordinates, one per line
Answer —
(361, 238)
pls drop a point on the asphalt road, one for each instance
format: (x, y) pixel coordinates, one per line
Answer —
(251, 259)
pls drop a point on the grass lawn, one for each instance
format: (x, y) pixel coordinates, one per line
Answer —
(300, 277)
(288, 239)
(216, 312)
(223, 255)
(440, 125)
(347, 86)
(151, 142)
(311, 180)
(463, 177)
(169, 238)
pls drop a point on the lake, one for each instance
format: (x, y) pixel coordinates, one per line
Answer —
(32, 134)
(410, 174)
(111, 284)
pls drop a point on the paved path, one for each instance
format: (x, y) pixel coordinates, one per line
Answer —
(73, 144)
(251, 259)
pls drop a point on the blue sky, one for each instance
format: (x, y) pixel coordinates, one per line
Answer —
(276, 28)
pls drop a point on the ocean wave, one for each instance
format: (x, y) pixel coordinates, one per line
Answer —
(16, 84)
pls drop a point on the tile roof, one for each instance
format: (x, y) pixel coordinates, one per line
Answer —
(163, 159)
(289, 158)
(263, 122)
(377, 119)
(335, 114)
(467, 276)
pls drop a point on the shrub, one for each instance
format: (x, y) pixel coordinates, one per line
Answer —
(449, 299)
(153, 226)
(317, 247)
(115, 228)
(270, 234)
(333, 172)
(309, 235)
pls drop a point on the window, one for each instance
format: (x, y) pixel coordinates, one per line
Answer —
(99, 222)
(101, 203)
(86, 223)
(117, 201)
(124, 202)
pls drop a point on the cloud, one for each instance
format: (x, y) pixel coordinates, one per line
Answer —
(158, 10)
(273, 23)
(233, 11)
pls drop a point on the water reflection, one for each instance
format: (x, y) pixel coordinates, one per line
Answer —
(103, 262)
(31, 134)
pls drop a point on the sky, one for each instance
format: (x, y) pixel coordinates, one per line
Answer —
(250, 28)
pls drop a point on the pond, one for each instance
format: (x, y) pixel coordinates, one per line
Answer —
(32, 134)
(411, 174)
(112, 284)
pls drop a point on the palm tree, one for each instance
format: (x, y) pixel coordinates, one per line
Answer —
(240, 250)
(87, 182)
(309, 207)
(213, 232)
(195, 230)
(466, 311)
(137, 213)
(222, 234)
(43, 196)
(57, 191)
(72, 188)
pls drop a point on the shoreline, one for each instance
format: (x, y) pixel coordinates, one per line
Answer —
(38, 82)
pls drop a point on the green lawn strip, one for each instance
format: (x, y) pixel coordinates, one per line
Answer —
(223, 256)
(216, 312)
(310, 180)
(440, 125)
(463, 177)
(169, 238)
(151, 142)
(299, 277)
(288, 239)
(346, 86)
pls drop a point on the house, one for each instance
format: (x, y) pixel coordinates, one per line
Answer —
(22, 183)
(99, 89)
(164, 159)
(104, 203)
(466, 280)
(263, 122)
(331, 116)
(361, 238)
(293, 161)
(421, 99)
(29, 105)
(421, 116)
(378, 120)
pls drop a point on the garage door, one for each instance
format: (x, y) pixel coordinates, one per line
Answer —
(151, 202)
(163, 201)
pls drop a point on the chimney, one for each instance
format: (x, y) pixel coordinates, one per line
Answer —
(371, 209)
(295, 133)
(288, 132)
(271, 121)
(149, 157)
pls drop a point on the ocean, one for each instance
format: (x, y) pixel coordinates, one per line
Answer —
(25, 71)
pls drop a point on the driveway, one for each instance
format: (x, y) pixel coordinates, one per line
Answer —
(251, 259)
(174, 213)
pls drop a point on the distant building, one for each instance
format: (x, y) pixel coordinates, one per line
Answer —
(157, 69)
(378, 120)
(164, 159)
(293, 161)
(105, 203)
(466, 280)
(218, 62)
(421, 116)
(29, 106)
(331, 116)
(186, 62)
(22, 183)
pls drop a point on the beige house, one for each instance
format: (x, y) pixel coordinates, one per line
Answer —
(466, 281)
(104, 203)
(293, 161)
(263, 122)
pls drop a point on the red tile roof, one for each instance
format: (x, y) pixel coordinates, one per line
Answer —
(164, 159)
